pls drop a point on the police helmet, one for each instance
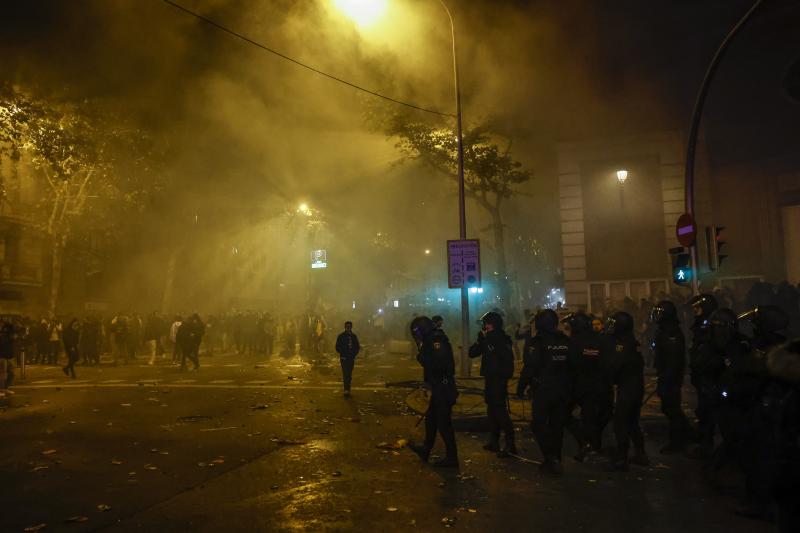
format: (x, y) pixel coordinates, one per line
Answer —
(578, 322)
(494, 318)
(664, 312)
(766, 318)
(546, 320)
(619, 323)
(421, 327)
(705, 302)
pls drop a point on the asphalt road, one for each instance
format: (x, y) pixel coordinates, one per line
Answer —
(247, 444)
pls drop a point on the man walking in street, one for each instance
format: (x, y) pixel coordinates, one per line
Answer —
(347, 347)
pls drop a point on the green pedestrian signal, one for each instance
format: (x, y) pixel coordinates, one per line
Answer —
(681, 267)
(682, 275)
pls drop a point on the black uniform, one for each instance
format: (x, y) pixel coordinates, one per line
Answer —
(627, 373)
(707, 364)
(497, 367)
(669, 349)
(592, 392)
(439, 367)
(705, 371)
(549, 371)
(778, 414)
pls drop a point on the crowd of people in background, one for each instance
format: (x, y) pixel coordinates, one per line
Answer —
(157, 338)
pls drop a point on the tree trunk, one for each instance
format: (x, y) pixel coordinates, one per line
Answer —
(169, 281)
(56, 258)
(499, 234)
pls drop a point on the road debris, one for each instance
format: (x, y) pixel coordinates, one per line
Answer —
(103, 507)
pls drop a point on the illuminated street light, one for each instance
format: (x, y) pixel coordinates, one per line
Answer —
(362, 12)
(622, 176)
(304, 209)
(427, 252)
(356, 10)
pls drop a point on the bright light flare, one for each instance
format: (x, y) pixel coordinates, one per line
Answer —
(363, 12)
(622, 175)
(304, 209)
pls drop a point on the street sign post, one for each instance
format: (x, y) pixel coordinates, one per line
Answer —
(319, 259)
(463, 263)
(686, 230)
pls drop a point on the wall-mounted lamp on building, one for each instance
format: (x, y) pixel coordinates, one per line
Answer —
(622, 176)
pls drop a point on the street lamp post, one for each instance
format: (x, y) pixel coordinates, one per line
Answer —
(462, 214)
(352, 9)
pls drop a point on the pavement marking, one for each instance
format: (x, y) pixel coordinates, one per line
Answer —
(43, 381)
(375, 384)
(185, 381)
(233, 365)
(257, 382)
(111, 381)
(385, 366)
(219, 381)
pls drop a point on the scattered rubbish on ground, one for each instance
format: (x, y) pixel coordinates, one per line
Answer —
(48, 452)
(391, 509)
(103, 507)
(125, 405)
(148, 466)
(336, 474)
(193, 418)
(39, 467)
(116, 462)
(448, 522)
(287, 442)
(218, 429)
(34, 529)
(76, 519)
(259, 406)
(398, 445)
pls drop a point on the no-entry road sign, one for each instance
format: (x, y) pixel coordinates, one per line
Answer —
(686, 230)
(463, 263)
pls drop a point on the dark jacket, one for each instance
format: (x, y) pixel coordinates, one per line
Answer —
(436, 357)
(6, 341)
(70, 337)
(669, 348)
(548, 364)
(589, 361)
(626, 361)
(347, 345)
(496, 353)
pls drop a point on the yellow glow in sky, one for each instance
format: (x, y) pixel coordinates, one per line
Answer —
(362, 12)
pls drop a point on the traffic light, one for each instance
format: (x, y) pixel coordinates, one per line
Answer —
(681, 266)
(715, 241)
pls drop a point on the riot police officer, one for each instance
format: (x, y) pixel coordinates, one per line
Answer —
(436, 357)
(494, 347)
(778, 412)
(592, 392)
(747, 375)
(627, 373)
(669, 348)
(703, 376)
(549, 372)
